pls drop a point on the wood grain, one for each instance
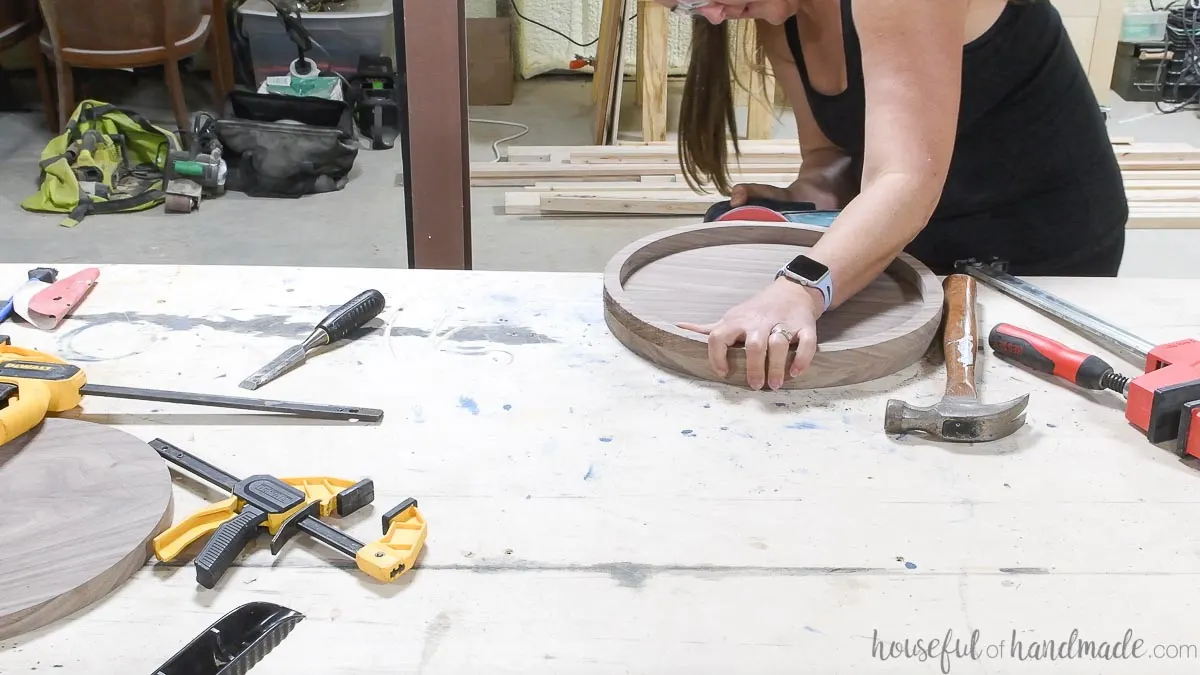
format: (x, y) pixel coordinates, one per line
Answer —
(82, 502)
(696, 273)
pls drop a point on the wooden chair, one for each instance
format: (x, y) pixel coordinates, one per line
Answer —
(132, 34)
(20, 22)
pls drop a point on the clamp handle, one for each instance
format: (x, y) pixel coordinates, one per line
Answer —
(404, 531)
(172, 541)
(23, 410)
(226, 543)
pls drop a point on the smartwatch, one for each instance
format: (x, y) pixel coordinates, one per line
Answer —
(808, 272)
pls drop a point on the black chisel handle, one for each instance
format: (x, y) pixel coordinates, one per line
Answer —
(351, 316)
(226, 543)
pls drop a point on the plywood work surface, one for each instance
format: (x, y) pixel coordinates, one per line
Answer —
(81, 503)
(591, 513)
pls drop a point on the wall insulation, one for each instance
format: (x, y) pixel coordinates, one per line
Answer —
(542, 51)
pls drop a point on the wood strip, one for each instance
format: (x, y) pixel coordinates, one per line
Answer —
(522, 203)
(609, 18)
(608, 55)
(760, 115)
(653, 28)
(775, 149)
(697, 272)
(614, 115)
(1162, 195)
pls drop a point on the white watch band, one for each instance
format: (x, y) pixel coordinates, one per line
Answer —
(824, 285)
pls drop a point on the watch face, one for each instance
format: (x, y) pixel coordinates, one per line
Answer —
(807, 268)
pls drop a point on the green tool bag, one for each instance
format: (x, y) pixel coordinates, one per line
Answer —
(109, 160)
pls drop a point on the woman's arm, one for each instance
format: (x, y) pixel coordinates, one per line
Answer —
(912, 62)
(912, 69)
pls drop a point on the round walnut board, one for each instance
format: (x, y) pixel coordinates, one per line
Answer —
(81, 503)
(696, 273)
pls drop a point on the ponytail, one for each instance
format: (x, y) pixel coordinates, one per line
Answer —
(706, 111)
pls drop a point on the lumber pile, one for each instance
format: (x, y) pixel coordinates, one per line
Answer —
(1162, 180)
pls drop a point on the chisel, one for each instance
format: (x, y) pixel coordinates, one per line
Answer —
(339, 324)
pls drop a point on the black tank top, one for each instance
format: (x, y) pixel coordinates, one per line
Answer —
(1033, 177)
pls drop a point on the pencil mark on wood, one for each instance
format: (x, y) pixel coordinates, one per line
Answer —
(435, 632)
(501, 334)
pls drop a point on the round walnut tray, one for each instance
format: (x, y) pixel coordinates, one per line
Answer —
(695, 273)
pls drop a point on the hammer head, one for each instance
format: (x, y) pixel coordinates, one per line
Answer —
(957, 419)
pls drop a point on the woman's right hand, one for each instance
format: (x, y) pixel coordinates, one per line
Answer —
(797, 192)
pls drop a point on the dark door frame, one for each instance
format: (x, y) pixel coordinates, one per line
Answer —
(431, 61)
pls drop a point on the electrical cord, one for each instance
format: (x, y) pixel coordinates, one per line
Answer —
(513, 137)
(513, 5)
(1182, 37)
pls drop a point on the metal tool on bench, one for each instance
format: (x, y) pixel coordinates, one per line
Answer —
(959, 417)
(338, 325)
(285, 506)
(1163, 402)
(236, 642)
(33, 384)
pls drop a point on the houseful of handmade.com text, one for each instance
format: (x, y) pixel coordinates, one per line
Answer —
(948, 648)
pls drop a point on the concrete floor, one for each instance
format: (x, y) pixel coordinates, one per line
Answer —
(362, 225)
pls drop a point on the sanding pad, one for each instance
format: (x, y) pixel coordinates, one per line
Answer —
(81, 502)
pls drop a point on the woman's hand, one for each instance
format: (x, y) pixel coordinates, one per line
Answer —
(780, 315)
(800, 191)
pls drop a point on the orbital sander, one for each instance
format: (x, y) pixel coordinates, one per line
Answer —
(771, 211)
(197, 171)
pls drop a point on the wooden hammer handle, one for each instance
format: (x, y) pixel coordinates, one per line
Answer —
(959, 338)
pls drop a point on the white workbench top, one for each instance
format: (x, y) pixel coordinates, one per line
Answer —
(590, 513)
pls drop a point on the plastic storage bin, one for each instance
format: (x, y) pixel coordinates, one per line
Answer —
(1144, 27)
(360, 27)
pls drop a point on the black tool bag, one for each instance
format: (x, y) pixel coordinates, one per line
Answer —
(286, 146)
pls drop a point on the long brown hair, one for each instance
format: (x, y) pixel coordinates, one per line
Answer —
(707, 122)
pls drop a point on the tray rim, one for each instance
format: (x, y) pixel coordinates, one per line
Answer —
(688, 344)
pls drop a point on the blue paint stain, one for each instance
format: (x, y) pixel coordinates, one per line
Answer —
(588, 475)
(688, 432)
(662, 380)
(813, 630)
(803, 425)
(911, 565)
(508, 406)
(606, 439)
(468, 404)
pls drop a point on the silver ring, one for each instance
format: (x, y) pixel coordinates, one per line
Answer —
(780, 330)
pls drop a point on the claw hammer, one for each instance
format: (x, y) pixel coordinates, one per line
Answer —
(960, 417)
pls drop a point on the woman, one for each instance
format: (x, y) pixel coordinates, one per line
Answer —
(950, 129)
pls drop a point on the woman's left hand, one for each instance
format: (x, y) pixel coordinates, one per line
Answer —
(780, 315)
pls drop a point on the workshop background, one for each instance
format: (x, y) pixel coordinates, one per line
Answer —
(532, 82)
